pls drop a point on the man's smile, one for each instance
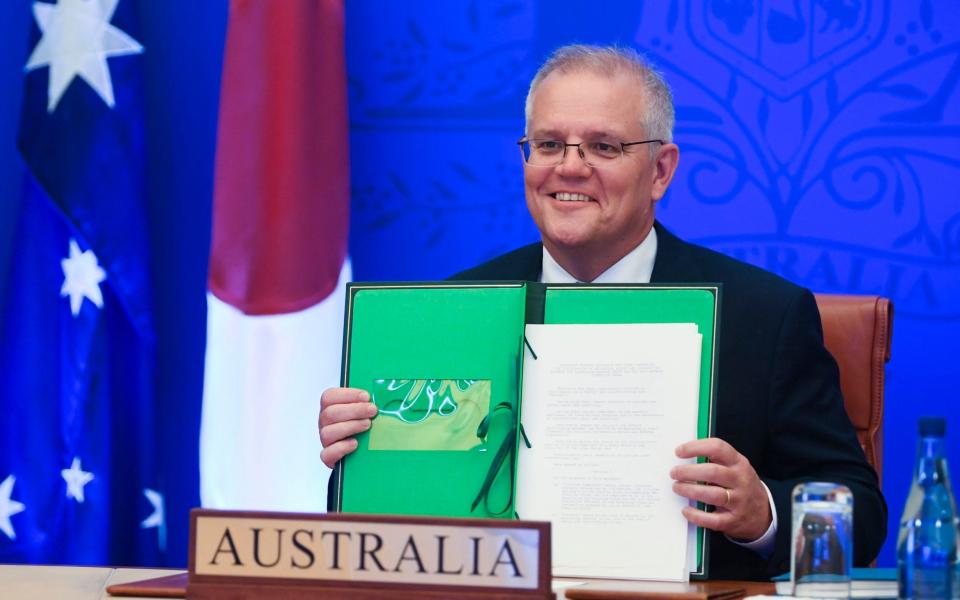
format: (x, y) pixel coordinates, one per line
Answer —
(571, 197)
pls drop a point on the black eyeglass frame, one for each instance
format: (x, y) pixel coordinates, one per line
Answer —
(623, 148)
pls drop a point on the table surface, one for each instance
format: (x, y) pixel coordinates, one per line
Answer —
(68, 583)
(90, 583)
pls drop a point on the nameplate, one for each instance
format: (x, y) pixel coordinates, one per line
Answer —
(240, 554)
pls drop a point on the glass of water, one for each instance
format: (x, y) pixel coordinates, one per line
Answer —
(821, 556)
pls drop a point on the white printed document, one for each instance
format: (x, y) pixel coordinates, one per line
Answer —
(604, 407)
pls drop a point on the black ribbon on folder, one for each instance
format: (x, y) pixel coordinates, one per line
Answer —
(506, 453)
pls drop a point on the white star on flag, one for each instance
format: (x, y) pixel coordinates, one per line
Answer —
(76, 478)
(77, 39)
(156, 518)
(81, 278)
(8, 507)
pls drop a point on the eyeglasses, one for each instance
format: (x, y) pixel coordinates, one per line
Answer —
(550, 153)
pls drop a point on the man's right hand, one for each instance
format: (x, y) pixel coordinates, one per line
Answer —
(344, 412)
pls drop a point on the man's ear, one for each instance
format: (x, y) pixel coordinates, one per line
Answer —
(667, 158)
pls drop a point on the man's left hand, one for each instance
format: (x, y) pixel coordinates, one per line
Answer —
(729, 483)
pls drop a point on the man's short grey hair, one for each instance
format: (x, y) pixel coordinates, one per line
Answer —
(609, 61)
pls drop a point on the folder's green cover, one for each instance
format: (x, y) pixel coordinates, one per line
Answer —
(443, 362)
(430, 354)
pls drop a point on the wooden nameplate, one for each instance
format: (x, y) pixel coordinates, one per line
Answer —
(260, 555)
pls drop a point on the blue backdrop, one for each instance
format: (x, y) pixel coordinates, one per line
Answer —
(819, 139)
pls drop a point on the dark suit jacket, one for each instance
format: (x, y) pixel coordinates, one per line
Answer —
(778, 393)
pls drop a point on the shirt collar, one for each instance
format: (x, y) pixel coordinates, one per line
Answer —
(635, 267)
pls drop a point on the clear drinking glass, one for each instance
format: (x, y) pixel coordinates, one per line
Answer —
(821, 556)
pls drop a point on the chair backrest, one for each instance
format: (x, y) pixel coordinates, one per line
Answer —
(857, 331)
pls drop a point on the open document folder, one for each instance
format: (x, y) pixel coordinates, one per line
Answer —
(609, 379)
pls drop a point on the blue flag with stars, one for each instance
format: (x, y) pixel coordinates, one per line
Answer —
(79, 476)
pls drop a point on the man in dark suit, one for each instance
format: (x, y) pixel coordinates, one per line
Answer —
(598, 155)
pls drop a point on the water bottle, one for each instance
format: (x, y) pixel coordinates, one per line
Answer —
(927, 545)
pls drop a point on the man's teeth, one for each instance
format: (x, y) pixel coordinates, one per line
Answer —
(568, 197)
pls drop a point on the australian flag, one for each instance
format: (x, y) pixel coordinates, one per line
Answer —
(79, 481)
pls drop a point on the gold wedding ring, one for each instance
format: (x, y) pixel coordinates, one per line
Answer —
(728, 496)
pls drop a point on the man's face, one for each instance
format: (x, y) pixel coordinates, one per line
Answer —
(589, 214)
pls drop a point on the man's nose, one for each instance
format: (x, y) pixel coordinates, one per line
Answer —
(573, 164)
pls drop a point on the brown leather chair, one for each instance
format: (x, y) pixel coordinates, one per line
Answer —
(857, 330)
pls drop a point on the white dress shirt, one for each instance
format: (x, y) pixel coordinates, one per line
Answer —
(637, 267)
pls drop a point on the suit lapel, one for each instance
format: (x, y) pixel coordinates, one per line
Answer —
(674, 262)
(530, 265)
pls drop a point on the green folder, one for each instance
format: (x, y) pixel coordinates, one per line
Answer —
(443, 362)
